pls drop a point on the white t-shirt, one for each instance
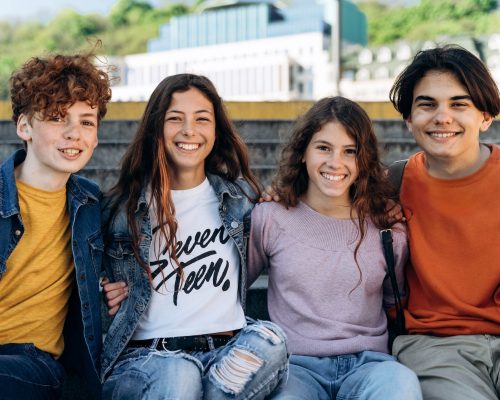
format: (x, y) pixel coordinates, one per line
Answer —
(207, 300)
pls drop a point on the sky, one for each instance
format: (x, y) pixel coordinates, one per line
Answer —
(45, 9)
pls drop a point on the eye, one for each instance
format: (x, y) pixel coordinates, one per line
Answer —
(351, 152)
(173, 118)
(55, 118)
(88, 123)
(425, 105)
(458, 104)
(323, 148)
(203, 119)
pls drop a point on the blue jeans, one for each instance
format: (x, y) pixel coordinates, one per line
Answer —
(250, 366)
(361, 376)
(28, 373)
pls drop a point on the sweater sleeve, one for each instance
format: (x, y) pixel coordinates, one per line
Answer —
(258, 244)
(400, 247)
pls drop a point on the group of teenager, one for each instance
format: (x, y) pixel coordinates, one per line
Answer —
(182, 235)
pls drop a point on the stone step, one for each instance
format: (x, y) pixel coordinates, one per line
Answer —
(263, 138)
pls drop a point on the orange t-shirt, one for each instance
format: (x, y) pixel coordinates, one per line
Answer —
(454, 232)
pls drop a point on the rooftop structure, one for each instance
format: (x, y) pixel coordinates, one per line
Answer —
(252, 50)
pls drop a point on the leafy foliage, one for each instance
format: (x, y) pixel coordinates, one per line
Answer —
(126, 30)
(429, 19)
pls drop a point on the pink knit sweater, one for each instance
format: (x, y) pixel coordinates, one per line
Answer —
(316, 292)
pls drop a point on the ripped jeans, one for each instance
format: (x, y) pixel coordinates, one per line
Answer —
(250, 366)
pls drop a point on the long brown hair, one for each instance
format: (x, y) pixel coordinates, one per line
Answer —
(146, 162)
(371, 191)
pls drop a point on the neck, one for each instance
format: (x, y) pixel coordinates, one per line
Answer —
(186, 180)
(456, 168)
(335, 208)
(45, 181)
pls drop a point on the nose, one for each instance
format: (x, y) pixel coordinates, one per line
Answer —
(442, 116)
(188, 128)
(334, 160)
(72, 131)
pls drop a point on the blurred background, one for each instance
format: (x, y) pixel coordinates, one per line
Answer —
(269, 59)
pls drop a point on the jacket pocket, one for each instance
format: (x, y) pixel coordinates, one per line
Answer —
(119, 257)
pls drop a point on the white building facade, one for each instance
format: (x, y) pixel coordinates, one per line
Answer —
(252, 51)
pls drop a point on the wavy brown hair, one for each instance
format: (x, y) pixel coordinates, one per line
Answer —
(49, 86)
(371, 191)
(146, 161)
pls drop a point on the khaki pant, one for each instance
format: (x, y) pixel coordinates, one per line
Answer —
(465, 367)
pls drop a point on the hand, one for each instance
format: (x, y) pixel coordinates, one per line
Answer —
(115, 293)
(395, 211)
(269, 195)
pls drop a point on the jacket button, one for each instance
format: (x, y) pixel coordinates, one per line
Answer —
(85, 306)
(17, 232)
(82, 277)
(91, 337)
(224, 208)
(234, 224)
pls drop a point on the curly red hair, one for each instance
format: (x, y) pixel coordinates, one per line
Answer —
(49, 86)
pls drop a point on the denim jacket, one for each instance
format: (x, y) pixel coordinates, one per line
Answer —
(120, 265)
(82, 329)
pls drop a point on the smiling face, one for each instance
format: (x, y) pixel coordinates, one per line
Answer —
(189, 133)
(330, 160)
(58, 145)
(445, 122)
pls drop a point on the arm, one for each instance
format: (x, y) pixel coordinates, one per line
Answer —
(115, 293)
(257, 255)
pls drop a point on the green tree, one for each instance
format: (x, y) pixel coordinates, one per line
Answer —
(126, 12)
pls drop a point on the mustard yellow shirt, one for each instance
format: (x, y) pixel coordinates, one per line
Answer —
(35, 289)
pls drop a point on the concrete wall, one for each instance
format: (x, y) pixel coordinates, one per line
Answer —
(264, 139)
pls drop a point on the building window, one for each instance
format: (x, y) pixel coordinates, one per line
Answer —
(384, 55)
(403, 52)
(363, 74)
(365, 57)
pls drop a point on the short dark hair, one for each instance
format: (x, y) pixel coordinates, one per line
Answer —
(469, 70)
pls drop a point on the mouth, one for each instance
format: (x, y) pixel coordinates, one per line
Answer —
(71, 152)
(333, 178)
(442, 135)
(188, 146)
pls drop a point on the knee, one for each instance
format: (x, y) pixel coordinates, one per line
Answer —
(158, 375)
(259, 352)
(401, 378)
(129, 385)
(268, 337)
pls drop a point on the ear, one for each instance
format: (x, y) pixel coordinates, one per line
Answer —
(408, 123)
(487, 121)
(24, 129)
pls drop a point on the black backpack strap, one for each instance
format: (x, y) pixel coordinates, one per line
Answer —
(395, 174)
(386, 237)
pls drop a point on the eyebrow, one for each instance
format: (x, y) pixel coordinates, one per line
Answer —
(453, 98)
(86, 115)
(196, 112)
(320, 141)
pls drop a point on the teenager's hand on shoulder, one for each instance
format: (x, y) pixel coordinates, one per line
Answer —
(115, 293)
(395, 211)
(269, 195)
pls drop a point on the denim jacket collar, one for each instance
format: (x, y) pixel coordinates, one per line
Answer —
(9, 203)
(220, 185)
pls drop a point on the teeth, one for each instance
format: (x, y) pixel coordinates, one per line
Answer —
(188, 146)
(442, 135)
(71, 152)
(335, 178)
